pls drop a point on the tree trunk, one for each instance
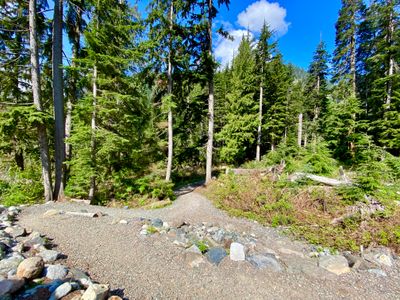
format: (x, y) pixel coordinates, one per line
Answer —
(170, 120)
(58, 99)
(74, 90)
(300, 130)
(35, 77)
(391, 60)
(92, 189)
(260, 117)
(353, 63)
(210, 141)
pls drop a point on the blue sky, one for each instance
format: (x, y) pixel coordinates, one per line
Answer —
(299, 24)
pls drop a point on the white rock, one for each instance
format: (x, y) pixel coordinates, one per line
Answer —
(49, 256)
(336, 264)
(237, 252)
(96, 292)
(54, 272)
(61, 291)
(123, 222)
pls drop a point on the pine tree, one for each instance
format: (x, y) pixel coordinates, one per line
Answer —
(264, 52)
(344, 59)
(238, 133)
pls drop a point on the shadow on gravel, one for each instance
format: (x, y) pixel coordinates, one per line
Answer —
(120, 293)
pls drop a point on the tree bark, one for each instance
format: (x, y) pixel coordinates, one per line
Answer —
(58, 100)
(391, 60)
(300, 130)
(260, 117)
(92, 189)
(210, 141)
(170, 119)
(35, 78)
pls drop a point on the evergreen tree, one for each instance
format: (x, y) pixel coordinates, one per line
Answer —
(238, 133)
(344, 59)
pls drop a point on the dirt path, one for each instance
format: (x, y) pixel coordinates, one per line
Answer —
(153, 267)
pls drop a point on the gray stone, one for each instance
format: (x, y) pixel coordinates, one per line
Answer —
(157, 223)
(11, 285)
(237, 252)
(80, 276)
(336, 264)
(54, 272)
(51, 212)
(218, 236)
(265, 261)
(216, 255)
(49, 256)
(194, 249)
(10, 264)
(15, 231)
(381, 259)
(96, 292)
(61, 291)
(30, 268)
(34, 241)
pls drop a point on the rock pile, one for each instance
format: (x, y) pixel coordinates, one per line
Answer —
(30, 269)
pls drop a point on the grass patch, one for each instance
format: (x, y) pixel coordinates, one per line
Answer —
(308, 211)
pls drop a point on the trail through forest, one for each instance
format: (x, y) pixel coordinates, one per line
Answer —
(153, 267)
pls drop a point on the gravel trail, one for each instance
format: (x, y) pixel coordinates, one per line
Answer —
(152, 267)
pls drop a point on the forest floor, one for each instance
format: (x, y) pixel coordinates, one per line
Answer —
(153, 267)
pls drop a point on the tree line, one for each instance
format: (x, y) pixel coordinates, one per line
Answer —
(141, 100)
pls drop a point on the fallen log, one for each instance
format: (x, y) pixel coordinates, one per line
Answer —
(320, 179)
(82, 214)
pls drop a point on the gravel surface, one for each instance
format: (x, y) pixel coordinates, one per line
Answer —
(152, 267)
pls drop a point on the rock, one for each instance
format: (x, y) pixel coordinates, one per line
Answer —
(215, 255)
(15, 231)
(51, 212)
(356, 262)
(123, 222)
(9, 265)
(381, 259)
(378, 272)
(54, 272)
(157, 223)
(30, 268)
(49, 256)
(194, 260)
(34, 242)
(61, 291)
(265, 261)
(96, 292)
(237, 252)
(80, 276)
(11, 285)
(194, 249)
(218, 236)
(42, 291)
(143, 232)
(115, 298)
(336, 264)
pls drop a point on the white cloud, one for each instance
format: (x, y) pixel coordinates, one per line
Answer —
(226, 49)
(272, 13)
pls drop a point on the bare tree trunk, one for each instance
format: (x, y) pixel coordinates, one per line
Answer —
(170, 119)
(305, 140)
(92, 189)
(74, 91)
(58, 99)
(300, 130)
(35, 77)
(391, 61)
(210, 141)
(260, 117)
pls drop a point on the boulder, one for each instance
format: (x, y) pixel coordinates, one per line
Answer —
(237, 252)
(61, 291)
(215, 255)
(79, 276)
(96, 292)
(9, 265)
(336, 264)
(30, 268)
(265, 261)
(49, 256)
(54, 272)
(11, 285)
(15, 231)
